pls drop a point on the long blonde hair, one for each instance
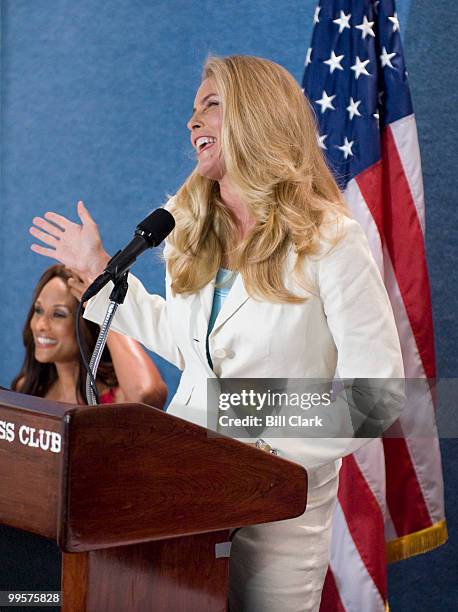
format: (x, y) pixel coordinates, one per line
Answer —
(270, 153)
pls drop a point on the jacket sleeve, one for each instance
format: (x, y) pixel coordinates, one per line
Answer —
(358, 310)
(142, 316)
(369, 359)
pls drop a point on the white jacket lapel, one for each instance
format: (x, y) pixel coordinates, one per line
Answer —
(200, 313)
(235, 299)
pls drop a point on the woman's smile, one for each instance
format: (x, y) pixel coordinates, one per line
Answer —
(44, 342)
(203, 143)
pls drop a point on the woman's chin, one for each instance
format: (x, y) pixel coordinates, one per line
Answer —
(42, 357)
(214, 172)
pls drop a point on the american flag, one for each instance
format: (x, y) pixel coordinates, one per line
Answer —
(390, 502)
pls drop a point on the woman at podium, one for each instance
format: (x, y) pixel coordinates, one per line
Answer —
(52, 365)
(267, 276)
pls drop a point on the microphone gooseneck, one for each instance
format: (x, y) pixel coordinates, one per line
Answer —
(149, 233)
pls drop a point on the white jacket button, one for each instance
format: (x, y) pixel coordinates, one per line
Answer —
(219, 353)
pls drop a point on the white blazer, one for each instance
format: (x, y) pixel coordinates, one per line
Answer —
(347, 323)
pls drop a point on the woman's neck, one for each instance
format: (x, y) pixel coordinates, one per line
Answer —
(64, 388)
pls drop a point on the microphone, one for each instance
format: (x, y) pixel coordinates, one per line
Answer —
(149, 233)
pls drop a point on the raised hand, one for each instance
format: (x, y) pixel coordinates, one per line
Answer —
(78, 247)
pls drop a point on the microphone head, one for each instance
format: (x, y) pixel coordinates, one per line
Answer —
(156, 226)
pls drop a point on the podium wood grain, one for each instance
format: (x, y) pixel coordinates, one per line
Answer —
(179, 575)
(154, 476)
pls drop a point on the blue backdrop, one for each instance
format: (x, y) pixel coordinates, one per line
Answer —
(95, 96)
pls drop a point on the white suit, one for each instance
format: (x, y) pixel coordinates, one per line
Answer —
(346, 323)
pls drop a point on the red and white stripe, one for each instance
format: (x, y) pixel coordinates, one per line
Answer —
(390, 488)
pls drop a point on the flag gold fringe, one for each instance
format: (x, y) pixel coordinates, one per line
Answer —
(417, 543)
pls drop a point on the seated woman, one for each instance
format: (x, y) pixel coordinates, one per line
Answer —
(53, 367)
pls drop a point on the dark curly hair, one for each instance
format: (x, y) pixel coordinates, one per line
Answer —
(37, 378)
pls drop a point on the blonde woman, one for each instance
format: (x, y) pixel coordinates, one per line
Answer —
(297, 295)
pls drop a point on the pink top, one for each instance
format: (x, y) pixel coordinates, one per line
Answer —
(108, 396)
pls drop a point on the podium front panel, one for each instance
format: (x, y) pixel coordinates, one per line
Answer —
(30, 464)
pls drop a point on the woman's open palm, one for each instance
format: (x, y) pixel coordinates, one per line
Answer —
(78, 247)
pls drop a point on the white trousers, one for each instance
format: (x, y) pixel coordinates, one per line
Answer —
(281, 566)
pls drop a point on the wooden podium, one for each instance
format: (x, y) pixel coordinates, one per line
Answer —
(139, 501)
